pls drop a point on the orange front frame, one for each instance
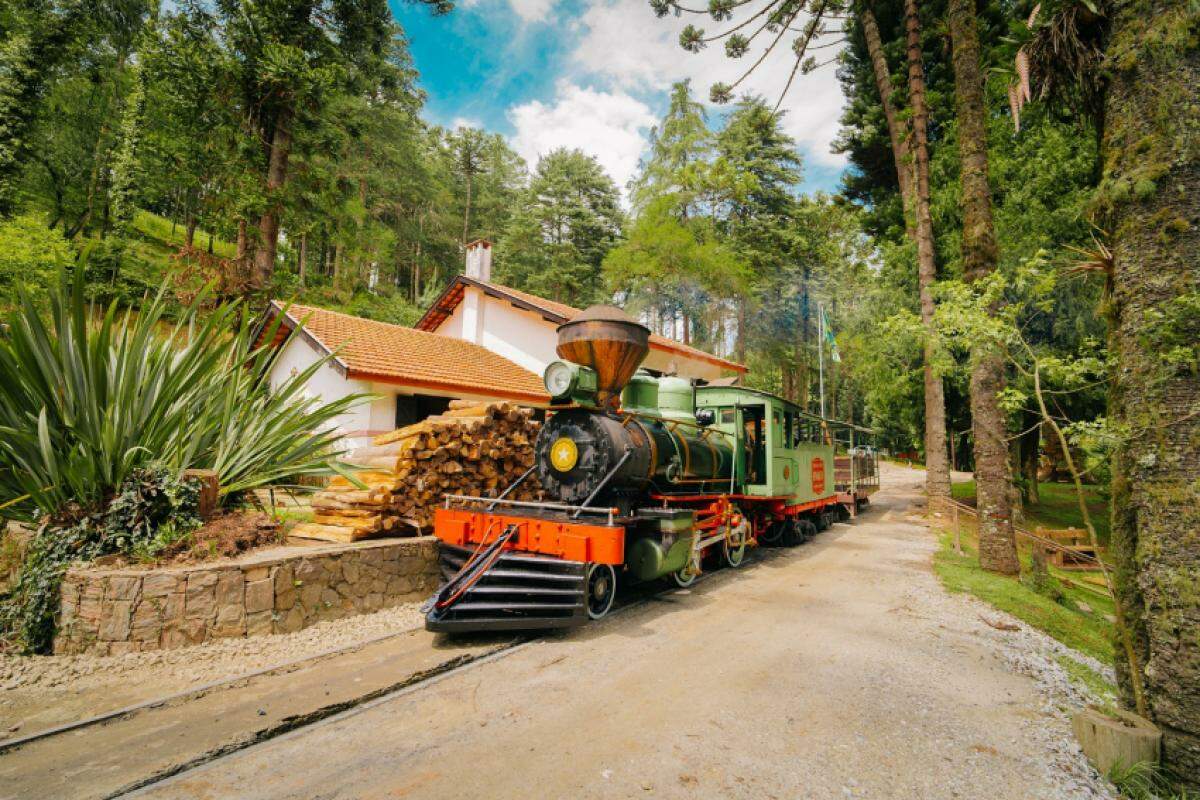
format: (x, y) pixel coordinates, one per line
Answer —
(570, 541)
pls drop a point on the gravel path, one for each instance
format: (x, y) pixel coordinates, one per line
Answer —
(40, 691)
(841, 669)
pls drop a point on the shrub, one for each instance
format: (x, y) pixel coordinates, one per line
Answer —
(84, 404)
(30, 252)
(151, 510)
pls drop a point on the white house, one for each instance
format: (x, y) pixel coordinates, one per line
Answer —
(480, 341)
(412, 373)
(522, 327)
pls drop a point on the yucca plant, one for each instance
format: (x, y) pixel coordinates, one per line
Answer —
(85, 401)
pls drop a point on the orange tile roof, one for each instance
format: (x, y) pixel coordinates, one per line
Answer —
(386, 353)
(561, 311)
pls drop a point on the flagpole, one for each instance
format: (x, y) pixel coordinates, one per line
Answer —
(821, 353)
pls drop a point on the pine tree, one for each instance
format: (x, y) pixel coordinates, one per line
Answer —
(565, 223)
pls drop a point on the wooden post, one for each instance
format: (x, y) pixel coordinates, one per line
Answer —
(957, 539)
(209, 490)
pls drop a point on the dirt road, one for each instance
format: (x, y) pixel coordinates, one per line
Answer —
(838, 669)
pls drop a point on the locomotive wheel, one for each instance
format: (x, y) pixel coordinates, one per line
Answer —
(843, 513)
(684, 578)
(687, 574)
(809, 530)
(793, 533)
(734, 556)
(601, 588)
(822, 523)
(775, 532)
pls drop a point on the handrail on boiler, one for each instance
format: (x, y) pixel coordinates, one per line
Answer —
(466, 498)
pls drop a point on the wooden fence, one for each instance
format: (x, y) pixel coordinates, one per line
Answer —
(961, 515)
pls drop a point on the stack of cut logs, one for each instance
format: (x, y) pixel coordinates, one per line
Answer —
(471, 449)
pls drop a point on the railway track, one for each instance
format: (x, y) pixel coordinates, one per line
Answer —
(139, 746)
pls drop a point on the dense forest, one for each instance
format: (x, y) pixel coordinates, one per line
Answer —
(1009, 266)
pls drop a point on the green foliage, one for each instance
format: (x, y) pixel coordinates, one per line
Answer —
(564, 224)
(1146, 781)
(30, 253)
(151, 509)
(83, 404)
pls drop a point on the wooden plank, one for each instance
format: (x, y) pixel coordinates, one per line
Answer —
(327, 533)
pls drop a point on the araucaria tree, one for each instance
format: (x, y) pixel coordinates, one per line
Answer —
(818, 25)
(980, 253)
(565, 222)
(1150, 186)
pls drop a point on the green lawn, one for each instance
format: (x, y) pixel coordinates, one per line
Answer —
(1089, 633)
(1058, 507)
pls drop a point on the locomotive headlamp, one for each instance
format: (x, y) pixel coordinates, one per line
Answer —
(560, 378)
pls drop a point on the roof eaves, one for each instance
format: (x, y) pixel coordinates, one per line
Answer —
(450, 386)
(315, 342)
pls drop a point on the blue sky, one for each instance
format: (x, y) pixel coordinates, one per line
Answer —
(594, 74)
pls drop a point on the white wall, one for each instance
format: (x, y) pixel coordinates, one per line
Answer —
(520, 336)
(681, 365)
(328, 384)
(525, 338)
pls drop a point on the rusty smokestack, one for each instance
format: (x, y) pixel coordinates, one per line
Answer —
(608, 341)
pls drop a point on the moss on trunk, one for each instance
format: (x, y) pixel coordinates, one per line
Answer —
(1150, 193)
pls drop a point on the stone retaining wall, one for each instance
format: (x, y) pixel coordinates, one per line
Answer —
(113, 611)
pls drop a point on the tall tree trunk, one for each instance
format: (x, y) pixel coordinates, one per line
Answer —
(303, 259)
(189, 236)
(897, 129)
(245, 252)
(99, 152)
(997, 545)
(1028, 451)
(268, 223)
(467, 212)
(937, 467)
(741, 330)
(1152, 114)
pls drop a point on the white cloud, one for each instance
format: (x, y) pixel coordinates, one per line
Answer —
(623, 44)
(527, 10)
(611, 126)
(532, 10)
(466, 122)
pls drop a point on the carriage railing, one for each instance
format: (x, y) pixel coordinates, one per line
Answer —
(856, 472)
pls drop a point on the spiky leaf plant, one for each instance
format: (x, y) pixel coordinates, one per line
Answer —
(85, 400)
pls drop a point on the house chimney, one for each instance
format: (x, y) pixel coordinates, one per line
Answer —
(479, 260)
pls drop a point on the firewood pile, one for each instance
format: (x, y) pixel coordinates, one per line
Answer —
(471, 449)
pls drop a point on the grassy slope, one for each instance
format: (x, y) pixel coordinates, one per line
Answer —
(158, 231)
(1089, 633)
(1058, 507)
(156, 242)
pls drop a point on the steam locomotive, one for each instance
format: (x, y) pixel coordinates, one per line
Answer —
(647, 478)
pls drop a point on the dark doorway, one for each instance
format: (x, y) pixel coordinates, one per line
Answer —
(412, 408)
(753, 444)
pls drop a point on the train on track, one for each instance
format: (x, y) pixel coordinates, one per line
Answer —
(647, 478)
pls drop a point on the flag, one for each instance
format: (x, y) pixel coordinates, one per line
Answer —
(833, 351)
